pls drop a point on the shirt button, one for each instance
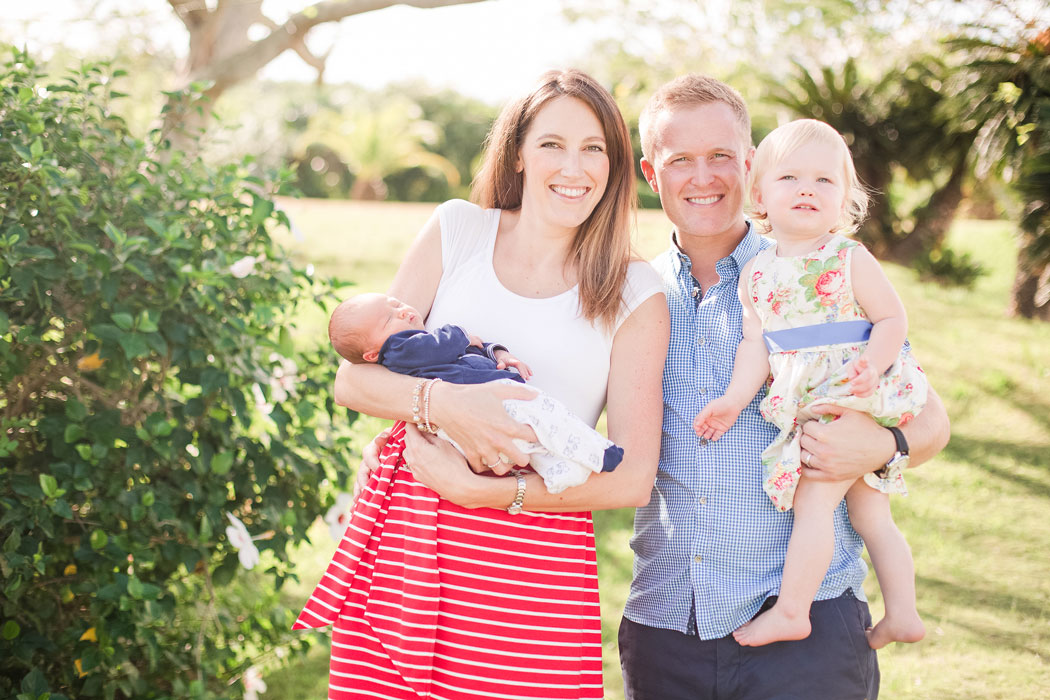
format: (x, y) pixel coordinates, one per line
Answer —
(703, 391)
(698, 559)
(703, 500)
(703, 442)
(701, 341)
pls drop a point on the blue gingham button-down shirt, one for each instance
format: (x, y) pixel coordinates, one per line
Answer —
(709, 547)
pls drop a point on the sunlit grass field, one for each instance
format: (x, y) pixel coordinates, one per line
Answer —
(978, 517)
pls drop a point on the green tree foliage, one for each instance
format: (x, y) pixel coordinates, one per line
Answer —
(151, 390)
(461, 124)
(1004, 90)
(379, 142)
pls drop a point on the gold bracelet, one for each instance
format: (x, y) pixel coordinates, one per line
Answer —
(426, 407)
(415, 404)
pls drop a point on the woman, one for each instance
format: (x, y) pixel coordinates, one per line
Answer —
(453, 582)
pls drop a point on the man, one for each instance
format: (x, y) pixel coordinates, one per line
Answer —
(709, 547)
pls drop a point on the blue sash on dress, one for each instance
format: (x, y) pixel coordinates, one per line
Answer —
(820, 334)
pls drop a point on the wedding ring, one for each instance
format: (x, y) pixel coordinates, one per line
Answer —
(806, 456)
(493, 465)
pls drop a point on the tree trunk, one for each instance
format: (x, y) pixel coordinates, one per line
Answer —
(368, 189)
(932, 220)
(877, 231)
(1031, 291)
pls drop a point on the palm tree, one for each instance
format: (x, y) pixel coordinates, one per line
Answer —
(377, 143)
(1004, 87)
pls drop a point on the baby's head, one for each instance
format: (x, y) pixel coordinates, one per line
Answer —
(359, 326)
(790, 153)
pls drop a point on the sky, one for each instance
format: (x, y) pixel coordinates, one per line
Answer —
(490, 50)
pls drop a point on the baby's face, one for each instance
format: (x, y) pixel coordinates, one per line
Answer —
(387, 315)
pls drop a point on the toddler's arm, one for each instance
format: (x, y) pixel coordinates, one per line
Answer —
(750, 371)
(884, 309)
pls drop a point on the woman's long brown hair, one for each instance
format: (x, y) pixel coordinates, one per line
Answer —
(601, 249)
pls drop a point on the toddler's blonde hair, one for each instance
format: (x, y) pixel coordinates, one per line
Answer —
(785, 140)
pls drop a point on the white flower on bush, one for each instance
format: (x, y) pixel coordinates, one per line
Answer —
(245, 266)
(261, 403)
(339, 515)
(282, 381)
(253, 683)
(238, 536)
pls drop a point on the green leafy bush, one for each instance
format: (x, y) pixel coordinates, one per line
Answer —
(151, 390)
(946, 267)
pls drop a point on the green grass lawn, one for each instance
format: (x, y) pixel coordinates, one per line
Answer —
(978, 517)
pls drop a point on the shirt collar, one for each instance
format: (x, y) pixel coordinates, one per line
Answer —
(747, 248)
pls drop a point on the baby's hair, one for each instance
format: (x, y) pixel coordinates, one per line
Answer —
(785, 140)
(345, 331)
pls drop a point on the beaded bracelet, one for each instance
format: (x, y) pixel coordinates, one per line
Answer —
(416, 418)
(426, 406)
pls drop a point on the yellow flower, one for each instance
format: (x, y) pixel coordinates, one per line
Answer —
(70, 570)
(89, 635)
(80, 668)
(90, 362)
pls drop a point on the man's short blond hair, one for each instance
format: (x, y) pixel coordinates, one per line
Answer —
(690, 90)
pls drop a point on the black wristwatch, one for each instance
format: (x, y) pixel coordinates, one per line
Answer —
(899, 461)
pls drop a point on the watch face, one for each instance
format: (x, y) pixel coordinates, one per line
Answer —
(898, 462)
(895, 466)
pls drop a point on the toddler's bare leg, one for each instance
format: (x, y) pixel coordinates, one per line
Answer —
(869, 511)
(808, 556)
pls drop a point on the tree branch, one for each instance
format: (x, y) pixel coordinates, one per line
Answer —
(300, 47)
(192, 13)
(242, 65)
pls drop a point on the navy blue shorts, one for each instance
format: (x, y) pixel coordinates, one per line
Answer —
(833, 663)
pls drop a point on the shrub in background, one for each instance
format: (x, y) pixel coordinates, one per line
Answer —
(151, 390)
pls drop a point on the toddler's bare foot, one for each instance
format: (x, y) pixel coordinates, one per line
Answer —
(772, 626)
(905, 628)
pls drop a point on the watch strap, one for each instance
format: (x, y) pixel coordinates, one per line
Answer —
(899, 456)
(898, 436)
(519, 498)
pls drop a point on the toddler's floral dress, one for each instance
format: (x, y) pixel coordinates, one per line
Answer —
(806, 293)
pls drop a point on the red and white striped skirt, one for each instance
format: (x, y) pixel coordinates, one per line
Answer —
(431, 600)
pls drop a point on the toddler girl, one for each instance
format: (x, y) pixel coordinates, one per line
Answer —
(819, 313)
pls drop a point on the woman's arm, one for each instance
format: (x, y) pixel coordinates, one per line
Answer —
(634, 414)
(472, 415)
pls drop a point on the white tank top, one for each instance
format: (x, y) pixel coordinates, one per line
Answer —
(568, 355)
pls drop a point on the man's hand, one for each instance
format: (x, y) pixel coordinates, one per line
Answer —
(846, 448)
(369, 462)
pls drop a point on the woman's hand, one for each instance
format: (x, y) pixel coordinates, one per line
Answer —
(473, 416)
(369, 462)
(435, 463)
